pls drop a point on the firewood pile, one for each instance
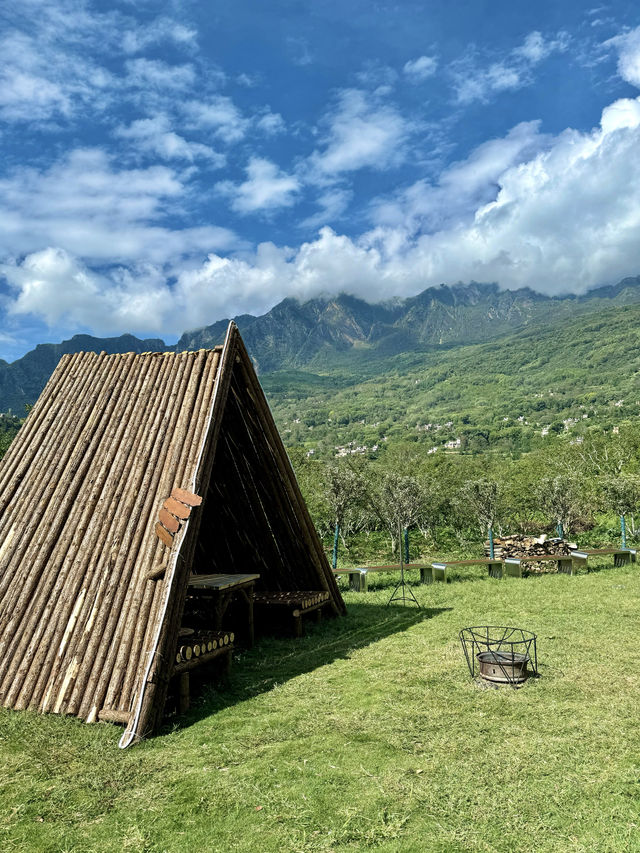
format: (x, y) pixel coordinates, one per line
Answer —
(302, 600)
(192, 645)
(520, 545)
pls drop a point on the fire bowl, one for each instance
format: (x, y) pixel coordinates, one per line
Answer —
(499, 654)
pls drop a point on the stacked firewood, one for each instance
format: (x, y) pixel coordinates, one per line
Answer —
(192, 645)
(520, 545)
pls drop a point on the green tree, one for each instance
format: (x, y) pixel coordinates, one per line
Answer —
(561, 499)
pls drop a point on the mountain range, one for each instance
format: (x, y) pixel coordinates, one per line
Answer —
(341, 332)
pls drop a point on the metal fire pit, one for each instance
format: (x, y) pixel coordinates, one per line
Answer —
(501, 655)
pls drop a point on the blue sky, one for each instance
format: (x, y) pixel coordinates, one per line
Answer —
(165, 165)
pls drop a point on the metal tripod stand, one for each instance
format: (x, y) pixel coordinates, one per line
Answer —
(402, 591)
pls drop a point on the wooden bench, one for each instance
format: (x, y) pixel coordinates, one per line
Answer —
(513, 566)
(440, 568)
(358, 574)
(197, 650)
(621, 556)
(295, 604)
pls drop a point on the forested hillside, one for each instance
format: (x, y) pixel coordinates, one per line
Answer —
(510, 395)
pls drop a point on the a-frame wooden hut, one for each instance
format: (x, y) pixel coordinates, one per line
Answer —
(91, 599)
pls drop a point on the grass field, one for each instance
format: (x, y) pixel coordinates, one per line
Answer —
(368, 734)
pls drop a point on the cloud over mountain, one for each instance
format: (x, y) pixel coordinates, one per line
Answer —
(154, 184)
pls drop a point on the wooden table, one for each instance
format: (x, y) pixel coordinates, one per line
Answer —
(226, 587)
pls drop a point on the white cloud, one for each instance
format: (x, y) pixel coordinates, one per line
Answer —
(58, 289)
(39, 83)
(624, 113)
(421, 68)
(156, 74)
(227, 286)
(362, 133)
(565, 220)
(89, 207)
(472, 82)
(271, 123)
(628, 47)
(376, 75)
(158, 31)
(57, 59)
(333, 204)
(265, 189)
(563, 215)
(299, 51)
(462, 187)
(535, 47)
(155, 136)
(218, 114)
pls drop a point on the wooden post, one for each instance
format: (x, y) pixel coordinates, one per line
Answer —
(184, 696)
(336, 537)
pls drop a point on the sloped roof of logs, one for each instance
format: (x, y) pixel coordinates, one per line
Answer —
(100, 525)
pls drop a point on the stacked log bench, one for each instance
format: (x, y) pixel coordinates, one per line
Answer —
(290, 606)
(197, 650)
(358, 574)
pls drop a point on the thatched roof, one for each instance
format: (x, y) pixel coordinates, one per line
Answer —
(90, 598)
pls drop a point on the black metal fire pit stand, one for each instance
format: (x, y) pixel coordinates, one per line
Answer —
(402, 591)
(500, 654)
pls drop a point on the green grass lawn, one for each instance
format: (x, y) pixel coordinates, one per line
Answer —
(368, 734)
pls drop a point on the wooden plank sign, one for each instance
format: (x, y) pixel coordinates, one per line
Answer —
(164, 535)
(186, 497)
(176, 508)
(169, 521)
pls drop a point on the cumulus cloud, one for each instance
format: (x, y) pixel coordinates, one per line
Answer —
(265, 189)
(420, 69)
(59, 289)
(554, 214)
(628, 47)
(363, 132)
(462, 187)
(91, 208)
(565, 220)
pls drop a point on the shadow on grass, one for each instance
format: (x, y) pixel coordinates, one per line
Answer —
(274, 660)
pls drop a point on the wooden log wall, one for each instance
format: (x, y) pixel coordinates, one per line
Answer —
(80, 490)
